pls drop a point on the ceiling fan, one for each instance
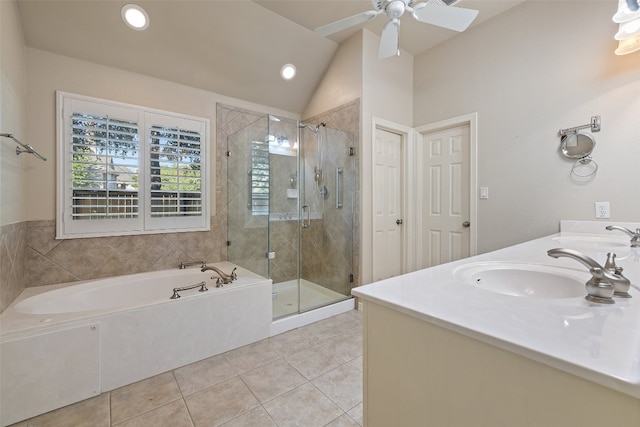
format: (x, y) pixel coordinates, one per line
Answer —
(434, 12)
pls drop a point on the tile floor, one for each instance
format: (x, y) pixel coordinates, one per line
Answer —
(310, 376)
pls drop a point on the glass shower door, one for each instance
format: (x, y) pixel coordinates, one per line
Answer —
(326, 262)
(248, 197)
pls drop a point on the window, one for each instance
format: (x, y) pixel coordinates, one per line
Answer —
(259, 178)
(124, 169)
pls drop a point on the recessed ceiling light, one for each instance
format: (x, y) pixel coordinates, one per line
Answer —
(288, 71)
(135, 17)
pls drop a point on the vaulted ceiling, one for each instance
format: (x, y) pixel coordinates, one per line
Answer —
(232, 47)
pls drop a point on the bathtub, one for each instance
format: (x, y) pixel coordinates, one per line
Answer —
(62, 344)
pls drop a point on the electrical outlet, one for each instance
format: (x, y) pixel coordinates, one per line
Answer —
(603, 210)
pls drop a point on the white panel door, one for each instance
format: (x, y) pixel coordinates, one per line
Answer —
(387, 205)
(445, 203)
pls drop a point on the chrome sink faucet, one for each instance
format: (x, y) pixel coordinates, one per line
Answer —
(224, 278)
(635, 237)
(603, 283)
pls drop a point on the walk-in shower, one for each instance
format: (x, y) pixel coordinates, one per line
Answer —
(291, 189)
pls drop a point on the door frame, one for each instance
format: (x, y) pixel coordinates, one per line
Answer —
(472, 121)
(407, 134)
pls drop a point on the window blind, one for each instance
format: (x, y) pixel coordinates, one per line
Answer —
(259, 178)
(104, 167)
(175, 178)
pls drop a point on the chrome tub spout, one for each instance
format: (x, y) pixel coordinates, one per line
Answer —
(224, 278)
(603, 282)
(635, 237)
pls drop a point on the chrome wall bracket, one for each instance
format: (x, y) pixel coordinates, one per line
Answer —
(595, 126)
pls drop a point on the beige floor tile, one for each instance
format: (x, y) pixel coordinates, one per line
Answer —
(322, 330)
(173, 414)
(222, 402)
(257, 417)
(352, 318)
(251, 356)
(303, 406)
(357, 363)
(346, 346)
(356, 414)
(343, 386)
(314, 361)
(92, 412)
(203, 374)
(343, 421)
(272, 379)
(290, 342)
(137, 398)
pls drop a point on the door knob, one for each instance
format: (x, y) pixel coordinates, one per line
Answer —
(466, 224)
(399, 221)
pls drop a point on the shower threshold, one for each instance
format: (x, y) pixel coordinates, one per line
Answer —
(312, 295)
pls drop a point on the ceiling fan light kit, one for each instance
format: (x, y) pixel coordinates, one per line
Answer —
(434, 12)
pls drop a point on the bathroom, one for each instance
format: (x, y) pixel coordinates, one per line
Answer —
(524, 79)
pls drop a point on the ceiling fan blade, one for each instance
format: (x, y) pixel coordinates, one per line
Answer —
(389, 40)
(344, 23)
(453, 18)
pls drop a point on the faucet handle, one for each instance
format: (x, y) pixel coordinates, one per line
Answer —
(611, 264)
(598, 287)
(622, 285)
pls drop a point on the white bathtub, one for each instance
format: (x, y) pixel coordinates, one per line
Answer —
(62, 344)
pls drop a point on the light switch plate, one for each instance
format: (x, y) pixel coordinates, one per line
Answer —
(484, 192)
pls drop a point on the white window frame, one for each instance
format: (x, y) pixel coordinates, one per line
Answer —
(67, 228)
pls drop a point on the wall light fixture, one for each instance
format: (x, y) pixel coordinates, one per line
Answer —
(628, 35)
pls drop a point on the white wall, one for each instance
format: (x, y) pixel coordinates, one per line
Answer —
(47, 72)
(342, 82)
(12, 110)
(537, 68)
(387, 94)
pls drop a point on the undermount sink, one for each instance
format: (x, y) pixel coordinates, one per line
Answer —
(524, 280)
(590, 242)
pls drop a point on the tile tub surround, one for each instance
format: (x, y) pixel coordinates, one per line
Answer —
(311, 375)
(549, 331)
(12, 248)
(51, 261)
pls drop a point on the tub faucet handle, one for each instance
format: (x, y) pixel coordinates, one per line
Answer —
(185, 264)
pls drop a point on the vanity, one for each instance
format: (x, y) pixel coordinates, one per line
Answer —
(506, 338)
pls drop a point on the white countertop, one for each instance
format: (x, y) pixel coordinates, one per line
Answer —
(600, 343)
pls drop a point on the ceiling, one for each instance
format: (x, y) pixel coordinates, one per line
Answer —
(234, 48)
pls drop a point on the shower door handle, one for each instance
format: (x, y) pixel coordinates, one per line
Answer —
(339, 173)
(250, 188)
(306, 223)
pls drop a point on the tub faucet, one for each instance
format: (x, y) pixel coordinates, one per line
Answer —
(226, 278)
(185, 264)
(635, 237)
(603, 282)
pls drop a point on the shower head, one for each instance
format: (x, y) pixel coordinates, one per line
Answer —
(312, 128)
